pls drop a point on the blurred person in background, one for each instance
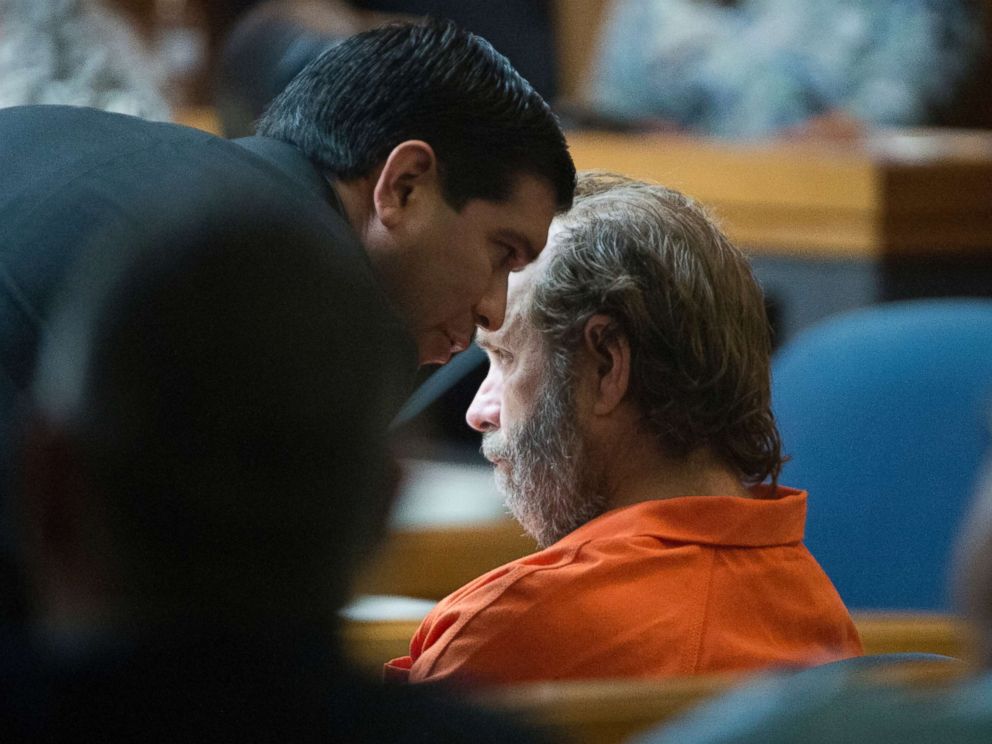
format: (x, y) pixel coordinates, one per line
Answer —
(268, 46)
(754, 68)
(262, 45)
(78, 53)
(387, 139)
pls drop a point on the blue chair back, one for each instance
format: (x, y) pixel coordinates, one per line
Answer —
(884, 412)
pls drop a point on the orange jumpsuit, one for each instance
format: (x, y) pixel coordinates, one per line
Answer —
(661, 588)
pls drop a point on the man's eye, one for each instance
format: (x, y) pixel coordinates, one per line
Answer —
(510, 257)
(503, 357)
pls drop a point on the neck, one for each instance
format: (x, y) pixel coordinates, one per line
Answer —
(637, 470)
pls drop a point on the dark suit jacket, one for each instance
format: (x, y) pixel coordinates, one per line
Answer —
(68, 175)
(278, 684)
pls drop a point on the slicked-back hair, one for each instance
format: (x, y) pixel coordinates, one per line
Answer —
(685, 299)
(434, 82)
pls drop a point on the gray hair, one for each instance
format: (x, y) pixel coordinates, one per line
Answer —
(685, 299)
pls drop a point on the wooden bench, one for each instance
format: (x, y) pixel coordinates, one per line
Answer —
(433, 562)
(901, 632)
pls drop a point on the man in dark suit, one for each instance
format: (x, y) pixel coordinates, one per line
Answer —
(205, 467)
(432, 165)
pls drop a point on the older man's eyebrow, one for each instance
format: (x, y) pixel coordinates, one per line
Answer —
(482, 343)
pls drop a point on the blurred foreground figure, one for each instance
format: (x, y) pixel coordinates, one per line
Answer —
(755, 67)
(78, 53)
(627, 416)
(205, 468)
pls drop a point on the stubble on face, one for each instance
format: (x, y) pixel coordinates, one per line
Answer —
(541, 466)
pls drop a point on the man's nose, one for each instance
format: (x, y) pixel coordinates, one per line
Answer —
(483, 413)
(490, 311)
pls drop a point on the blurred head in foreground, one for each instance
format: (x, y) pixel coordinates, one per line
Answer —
(77, 53)
(207, 428)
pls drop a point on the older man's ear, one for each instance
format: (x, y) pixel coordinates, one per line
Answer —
(609, 351)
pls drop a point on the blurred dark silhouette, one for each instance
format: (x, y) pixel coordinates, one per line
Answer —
(205, 466)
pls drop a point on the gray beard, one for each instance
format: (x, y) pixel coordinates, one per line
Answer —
(544, 468)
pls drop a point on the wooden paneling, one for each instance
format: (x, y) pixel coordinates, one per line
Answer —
(370, 644)
(431, 563)
(889, 192)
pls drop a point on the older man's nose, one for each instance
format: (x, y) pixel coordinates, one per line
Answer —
(490, 311)
(483, 413)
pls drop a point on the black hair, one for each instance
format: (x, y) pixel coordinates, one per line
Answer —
(434, 82)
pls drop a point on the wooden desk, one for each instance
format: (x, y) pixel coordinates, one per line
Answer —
(903, 192)
(372, 643)
(921, 632)
(433, 562)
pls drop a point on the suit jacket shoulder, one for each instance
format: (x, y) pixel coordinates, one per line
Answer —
(71, 174)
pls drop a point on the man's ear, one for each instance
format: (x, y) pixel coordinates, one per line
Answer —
(409, 168)
(609, 350)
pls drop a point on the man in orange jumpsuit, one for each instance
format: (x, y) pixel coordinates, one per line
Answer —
(627, 416)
